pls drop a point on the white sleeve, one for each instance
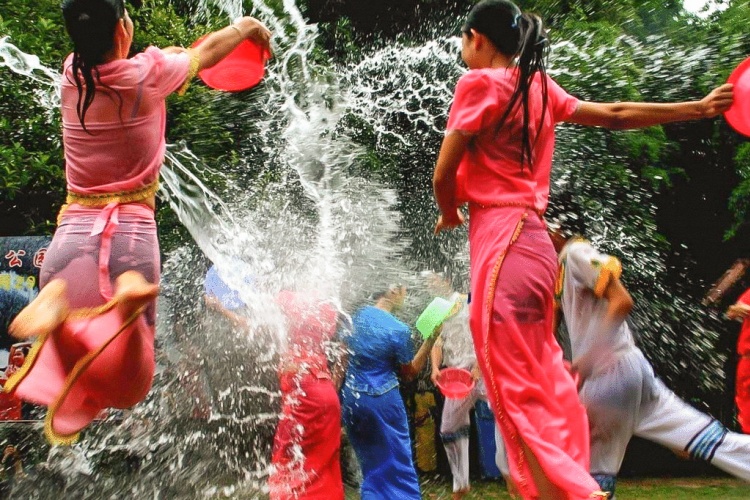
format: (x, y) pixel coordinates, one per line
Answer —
(590, 267)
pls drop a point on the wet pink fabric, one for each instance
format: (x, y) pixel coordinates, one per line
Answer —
(125, 146)
(513, 268)
(490, 172)
(521, 360)
(98, 359)
(121, 374)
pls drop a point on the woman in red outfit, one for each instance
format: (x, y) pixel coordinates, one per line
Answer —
(305, 461)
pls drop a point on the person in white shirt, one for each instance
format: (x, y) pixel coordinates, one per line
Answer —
(622, 395)
(455, 348)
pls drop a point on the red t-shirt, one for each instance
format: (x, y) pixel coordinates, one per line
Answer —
(743, 344)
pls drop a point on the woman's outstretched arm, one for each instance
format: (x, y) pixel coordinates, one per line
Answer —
(627, 115)
(220, 43)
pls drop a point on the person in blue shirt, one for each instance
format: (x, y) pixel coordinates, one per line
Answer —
(380, 351)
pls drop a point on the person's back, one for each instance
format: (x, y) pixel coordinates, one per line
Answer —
(96, 311)
(122, 147)
(491, 172)
(584, 272)
(379, 344)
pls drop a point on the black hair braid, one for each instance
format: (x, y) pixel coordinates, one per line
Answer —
(531, 52)
(83, 71)
(90, 25)
(531, 56)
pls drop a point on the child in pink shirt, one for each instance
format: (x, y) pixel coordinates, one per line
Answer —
(94, 317)
(496, 156)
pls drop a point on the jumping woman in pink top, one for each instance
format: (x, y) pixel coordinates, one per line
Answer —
(496, 156)
(94, 317)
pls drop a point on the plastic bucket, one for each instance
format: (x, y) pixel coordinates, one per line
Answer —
(738, 116)
(242, 69)
(455, 383)
(433, 316)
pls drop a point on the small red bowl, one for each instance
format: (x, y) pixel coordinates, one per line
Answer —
(455, 383)
(738, 115)
(242, 69)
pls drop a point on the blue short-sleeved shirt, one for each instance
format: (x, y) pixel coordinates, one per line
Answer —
(379, 344)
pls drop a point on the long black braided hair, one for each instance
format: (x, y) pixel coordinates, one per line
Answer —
(91, 26)
(517, 35)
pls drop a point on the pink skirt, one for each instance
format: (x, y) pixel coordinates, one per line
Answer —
(97, 358)
(513, 274)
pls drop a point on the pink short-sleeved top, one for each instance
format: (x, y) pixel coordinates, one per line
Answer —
(127, 120)
(490, 172)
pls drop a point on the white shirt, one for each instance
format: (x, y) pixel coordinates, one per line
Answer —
(458, 346)
(585, 274)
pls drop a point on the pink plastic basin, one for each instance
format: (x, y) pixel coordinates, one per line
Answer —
(455, 383)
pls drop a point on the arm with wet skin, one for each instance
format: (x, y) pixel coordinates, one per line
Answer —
(219, 44)
(444, 180)
(436, 359)
(619, 301)
(410, 370)
(629, 115)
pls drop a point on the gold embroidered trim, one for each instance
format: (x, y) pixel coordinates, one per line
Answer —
(609, 269)
(195, 63)
(97, 199)
(101, 199)
(515, 204)
(488, 317)
(82, 364)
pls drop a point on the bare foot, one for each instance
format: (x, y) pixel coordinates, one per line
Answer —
(512, 489)
(458, 495)
(132, 292)
(44, 314)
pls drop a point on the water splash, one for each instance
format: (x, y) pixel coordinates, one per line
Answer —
(29, 65)
(327, 213)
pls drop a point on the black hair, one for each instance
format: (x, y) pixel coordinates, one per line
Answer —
(515, 34)
(91, 26)
(383, 292)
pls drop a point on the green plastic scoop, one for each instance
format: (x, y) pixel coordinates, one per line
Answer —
(433, 316)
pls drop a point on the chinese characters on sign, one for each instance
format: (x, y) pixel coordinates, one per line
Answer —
(21, 259)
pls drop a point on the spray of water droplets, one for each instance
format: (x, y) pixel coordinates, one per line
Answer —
(340, 203)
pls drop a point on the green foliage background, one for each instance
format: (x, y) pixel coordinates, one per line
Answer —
(712, 177)
(697, 176)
